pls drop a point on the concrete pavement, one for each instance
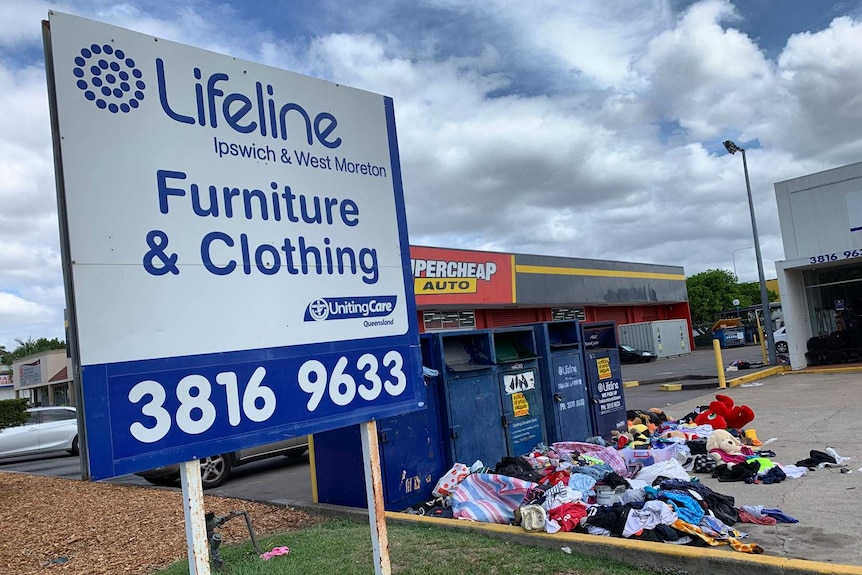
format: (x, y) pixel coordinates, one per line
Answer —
(794, 413)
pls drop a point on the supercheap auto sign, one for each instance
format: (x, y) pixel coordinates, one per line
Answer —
(443, 276)
(236, 245)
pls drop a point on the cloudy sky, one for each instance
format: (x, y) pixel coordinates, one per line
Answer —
(589, 129)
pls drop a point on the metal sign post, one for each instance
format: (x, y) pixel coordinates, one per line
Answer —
(196, 527)
(374, 495)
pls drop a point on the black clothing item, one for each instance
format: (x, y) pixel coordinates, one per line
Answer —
(610, 517)
(696, 446)
(517, 467)
(613, 481)
(740, 472)
(816, 458)
(661, 533)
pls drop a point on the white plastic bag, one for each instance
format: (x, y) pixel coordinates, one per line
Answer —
(670, 468)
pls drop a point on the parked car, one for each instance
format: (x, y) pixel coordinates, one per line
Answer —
(48, 429)
(629, 354)
(216, 469)
(779, 336)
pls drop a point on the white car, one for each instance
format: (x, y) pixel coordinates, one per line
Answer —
(779, 336)
(47, 429)
(216, 469)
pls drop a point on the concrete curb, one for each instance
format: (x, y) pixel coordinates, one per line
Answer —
(768, 372)
(631, 383)
(662, 557)
(822, 370)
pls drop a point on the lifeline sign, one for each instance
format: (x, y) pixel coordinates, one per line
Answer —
(237, 242)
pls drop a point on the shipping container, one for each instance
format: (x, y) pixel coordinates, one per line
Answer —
(665, 338)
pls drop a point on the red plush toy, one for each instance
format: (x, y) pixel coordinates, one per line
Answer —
(723, 414)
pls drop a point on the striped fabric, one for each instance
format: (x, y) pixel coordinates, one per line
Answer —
(607, 454)
(489, 498)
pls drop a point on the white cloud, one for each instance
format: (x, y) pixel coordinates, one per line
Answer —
(540, 127)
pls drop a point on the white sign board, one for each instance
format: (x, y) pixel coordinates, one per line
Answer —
(237, 245)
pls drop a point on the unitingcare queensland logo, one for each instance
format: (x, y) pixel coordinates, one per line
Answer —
(331, 308)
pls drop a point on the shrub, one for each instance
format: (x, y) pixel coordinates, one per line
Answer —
(13, 412)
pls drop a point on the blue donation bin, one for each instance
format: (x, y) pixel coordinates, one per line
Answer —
(472, 394)
(604, 377)
(730, 332)
(561, 361)
(520, 388)
(412, 452)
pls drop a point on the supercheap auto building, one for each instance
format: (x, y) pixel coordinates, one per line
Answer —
(463, 289)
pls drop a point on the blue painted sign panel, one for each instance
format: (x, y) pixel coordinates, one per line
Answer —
(571, 413)
(606, 391)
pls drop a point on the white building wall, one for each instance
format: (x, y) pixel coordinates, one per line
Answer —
(795, 309)
(817, 214)
(821, 226)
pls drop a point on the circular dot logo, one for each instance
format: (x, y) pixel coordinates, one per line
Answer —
(319, 309)
(109, 78)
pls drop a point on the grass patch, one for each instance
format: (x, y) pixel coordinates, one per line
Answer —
(342, 547)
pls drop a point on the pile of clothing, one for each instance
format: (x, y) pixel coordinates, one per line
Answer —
(598, 489)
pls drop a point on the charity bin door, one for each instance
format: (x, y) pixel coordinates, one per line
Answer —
(606, 391)
(475, 419)
(522, 409)
(569, 392)
(412, 453)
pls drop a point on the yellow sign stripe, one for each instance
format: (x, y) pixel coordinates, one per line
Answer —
(514, 281)
(524, 269)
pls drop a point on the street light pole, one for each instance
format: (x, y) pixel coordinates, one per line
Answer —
(764, 298)
(733, 257)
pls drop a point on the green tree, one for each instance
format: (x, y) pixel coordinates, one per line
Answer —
(29, 347)
(13, 412)
(713, 291)
(710, 292)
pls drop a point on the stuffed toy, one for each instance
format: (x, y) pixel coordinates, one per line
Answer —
(723, 414)
(652, 418)
(725, 448)
(637, 437)
(678, 435)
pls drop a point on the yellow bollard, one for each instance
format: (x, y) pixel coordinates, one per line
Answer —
(716, 347)
(762, 341)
